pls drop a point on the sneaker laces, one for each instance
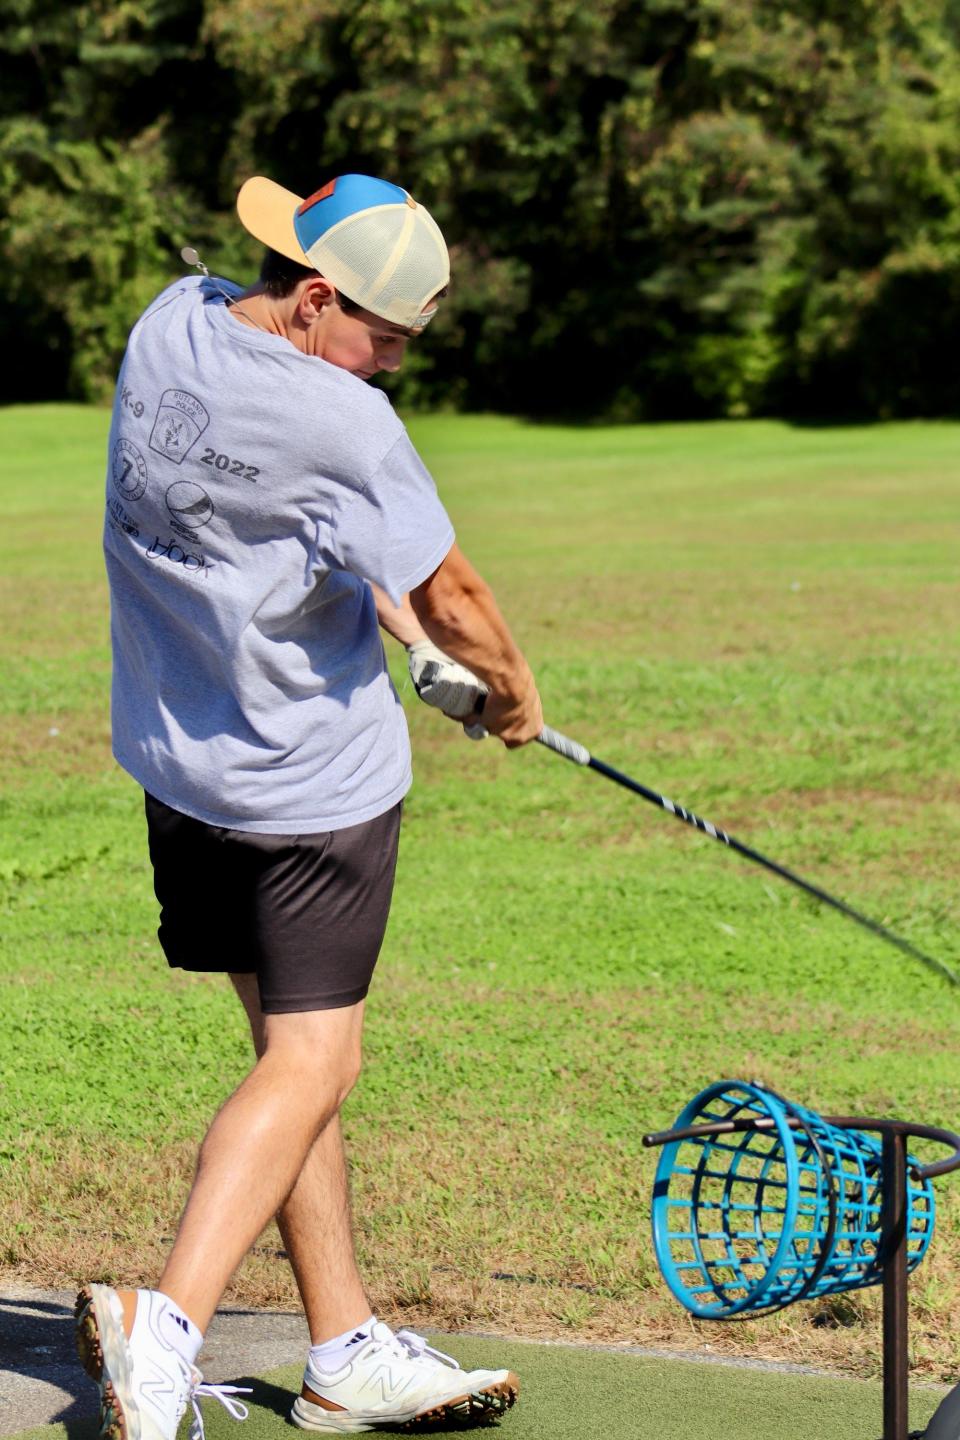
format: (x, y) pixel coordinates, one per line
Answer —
(416, 1348)
(198, 1387)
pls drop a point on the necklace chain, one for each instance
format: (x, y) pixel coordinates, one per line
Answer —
(235, 309)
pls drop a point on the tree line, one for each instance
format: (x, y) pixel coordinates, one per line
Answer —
(655, 208)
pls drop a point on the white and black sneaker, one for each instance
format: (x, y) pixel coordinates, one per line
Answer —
(398, 1380)
(145, 1384)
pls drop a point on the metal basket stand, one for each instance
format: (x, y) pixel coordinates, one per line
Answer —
(894, 1238)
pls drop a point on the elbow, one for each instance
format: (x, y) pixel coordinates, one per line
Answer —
(453, 588)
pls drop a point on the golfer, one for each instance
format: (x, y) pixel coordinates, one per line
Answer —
(257, 490)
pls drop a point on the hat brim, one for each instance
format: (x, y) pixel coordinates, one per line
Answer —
(267, 210)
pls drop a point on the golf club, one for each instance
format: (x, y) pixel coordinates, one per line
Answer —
(572, 750)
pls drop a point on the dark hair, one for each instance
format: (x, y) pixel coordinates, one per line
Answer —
(280, 276)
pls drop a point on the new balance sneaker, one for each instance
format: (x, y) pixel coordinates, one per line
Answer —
(399, 1380)
(145, 1384)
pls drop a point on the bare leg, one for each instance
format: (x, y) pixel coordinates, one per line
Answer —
(255, 1150)
(315, 1218)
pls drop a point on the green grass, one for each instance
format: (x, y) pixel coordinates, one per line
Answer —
(761, 622)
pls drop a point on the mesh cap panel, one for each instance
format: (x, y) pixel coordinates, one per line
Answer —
(389, 259)
(420, 261)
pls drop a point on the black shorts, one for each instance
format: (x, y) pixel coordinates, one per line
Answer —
(306, 913)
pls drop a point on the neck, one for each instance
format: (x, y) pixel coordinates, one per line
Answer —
(282, 317)
(259, 312)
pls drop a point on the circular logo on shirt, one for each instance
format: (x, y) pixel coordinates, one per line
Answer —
(189, 503)
(129, 470)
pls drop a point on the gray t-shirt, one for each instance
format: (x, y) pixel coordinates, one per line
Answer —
(252, 490)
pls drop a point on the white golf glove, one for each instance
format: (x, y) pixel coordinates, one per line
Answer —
(442, 682)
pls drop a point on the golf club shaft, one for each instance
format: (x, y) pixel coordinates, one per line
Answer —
(572, 750)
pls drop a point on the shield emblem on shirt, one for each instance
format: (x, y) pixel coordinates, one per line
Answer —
(181, 420)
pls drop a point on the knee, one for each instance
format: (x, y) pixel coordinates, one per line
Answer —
(350, 1066)
(322, 1076)
(329, 1085)
(320, 1050)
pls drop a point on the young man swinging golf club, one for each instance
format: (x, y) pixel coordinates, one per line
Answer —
(257, 490)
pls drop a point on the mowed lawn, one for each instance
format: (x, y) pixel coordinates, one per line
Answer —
(760, 621)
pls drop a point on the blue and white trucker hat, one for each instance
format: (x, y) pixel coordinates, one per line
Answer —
(367, 237)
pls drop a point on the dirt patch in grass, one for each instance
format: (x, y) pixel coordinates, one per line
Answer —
(71, 745)
(52, 621)
(869, 1036)
(850, 807)
(676, 616)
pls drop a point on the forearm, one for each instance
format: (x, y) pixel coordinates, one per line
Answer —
(398, 620)
(438, 679)
(459, 613)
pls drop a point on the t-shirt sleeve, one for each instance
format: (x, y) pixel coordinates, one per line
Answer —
(395, 531)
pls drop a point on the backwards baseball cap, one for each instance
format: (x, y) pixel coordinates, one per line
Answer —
(369, 238)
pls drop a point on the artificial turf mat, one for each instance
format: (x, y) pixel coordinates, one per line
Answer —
(576, 1393)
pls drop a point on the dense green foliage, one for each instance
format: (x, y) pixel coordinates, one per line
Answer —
(656, 207)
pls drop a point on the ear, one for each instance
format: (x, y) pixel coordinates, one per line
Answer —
(316, 296)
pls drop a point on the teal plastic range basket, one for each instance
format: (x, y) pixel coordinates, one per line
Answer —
(770, 1203)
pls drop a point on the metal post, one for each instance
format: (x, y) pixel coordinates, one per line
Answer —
(894, 1241)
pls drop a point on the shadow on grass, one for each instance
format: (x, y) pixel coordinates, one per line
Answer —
(275, 1399)
(86, 1429)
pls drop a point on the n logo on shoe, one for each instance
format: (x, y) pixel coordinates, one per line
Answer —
(155, 1388)
(390, 1385)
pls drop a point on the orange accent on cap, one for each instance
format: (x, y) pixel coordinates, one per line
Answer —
(321, 194)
